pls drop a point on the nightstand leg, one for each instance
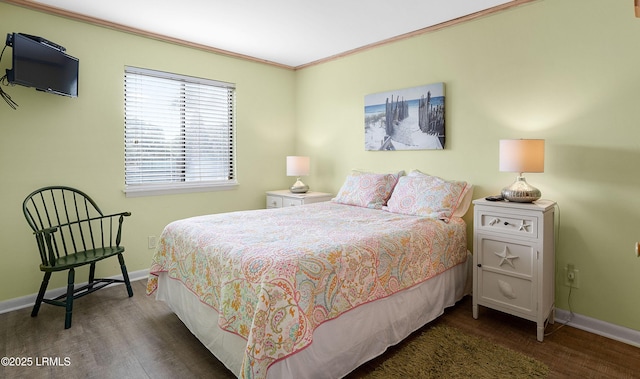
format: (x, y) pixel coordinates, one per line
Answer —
(474, 309)
(541, 331)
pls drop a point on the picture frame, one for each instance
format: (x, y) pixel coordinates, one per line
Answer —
(406, 119)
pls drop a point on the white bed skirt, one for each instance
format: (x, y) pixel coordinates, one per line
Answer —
(339, 345)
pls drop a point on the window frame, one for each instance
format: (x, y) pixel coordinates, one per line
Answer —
(184, 186)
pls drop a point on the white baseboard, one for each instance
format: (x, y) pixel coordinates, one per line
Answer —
(29, 300)
(605, 329)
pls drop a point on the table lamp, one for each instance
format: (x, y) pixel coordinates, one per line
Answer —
(298, 166)
(521, 155)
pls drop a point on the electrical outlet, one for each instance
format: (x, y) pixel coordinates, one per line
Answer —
(571, 276)
(152, 242)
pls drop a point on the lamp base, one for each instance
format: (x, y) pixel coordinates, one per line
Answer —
(299, 187)
(521, 191)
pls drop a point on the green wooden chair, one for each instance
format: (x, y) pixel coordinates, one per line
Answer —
(71, 231)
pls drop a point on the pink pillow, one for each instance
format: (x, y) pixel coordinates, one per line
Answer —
(427, 196)
(366, 190)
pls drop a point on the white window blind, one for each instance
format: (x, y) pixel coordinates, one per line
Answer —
(179, 132)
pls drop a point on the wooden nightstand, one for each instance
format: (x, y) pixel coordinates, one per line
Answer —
(285, 198)
(514, 259)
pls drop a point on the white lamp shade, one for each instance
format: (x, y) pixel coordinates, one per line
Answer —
(522, 155)
(297, 166)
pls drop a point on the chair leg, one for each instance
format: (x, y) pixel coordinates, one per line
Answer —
(125, 275)
(69, 299)
(92, 275)
(43, 289)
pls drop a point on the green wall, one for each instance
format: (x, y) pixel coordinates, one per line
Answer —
(80, 142)
(562, 70)
(566, 71)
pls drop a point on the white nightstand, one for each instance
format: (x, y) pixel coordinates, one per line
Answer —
(514, 259)
(285, 198)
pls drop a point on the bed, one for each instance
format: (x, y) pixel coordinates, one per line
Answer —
(316, 290)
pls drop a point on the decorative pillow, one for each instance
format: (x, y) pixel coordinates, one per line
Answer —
(366, 189)
(465, 202)
(427, 196)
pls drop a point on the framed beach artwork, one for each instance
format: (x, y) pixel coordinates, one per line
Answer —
(405, 119)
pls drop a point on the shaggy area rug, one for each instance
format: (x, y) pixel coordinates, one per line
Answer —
(446, 352)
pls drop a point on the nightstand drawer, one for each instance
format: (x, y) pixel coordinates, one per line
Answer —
(508, 291)
(506, 256)
(286, 198)
(522, 225)
(288, 202)
(274, 201)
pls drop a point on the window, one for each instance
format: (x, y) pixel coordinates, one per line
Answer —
(179, 133)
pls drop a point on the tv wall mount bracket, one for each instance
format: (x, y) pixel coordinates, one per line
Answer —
(43, 41)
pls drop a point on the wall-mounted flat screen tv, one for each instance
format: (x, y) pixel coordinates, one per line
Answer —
(42, 65)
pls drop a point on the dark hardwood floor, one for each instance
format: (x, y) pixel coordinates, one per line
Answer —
(114, 336)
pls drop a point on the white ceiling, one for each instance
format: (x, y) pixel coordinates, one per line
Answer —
(288, 32)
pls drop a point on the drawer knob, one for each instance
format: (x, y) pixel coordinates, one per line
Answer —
(506, 223)
(479, 265)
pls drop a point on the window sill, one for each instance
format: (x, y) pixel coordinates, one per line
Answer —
(174, 189)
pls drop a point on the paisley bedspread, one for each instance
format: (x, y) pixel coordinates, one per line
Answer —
(274, 275)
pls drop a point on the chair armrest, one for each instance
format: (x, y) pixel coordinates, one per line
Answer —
(47, 253)
(121, 216)
(46, 231)
(125, 214)
(120, 220)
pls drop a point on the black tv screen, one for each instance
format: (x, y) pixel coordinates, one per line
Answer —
(42, 65)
